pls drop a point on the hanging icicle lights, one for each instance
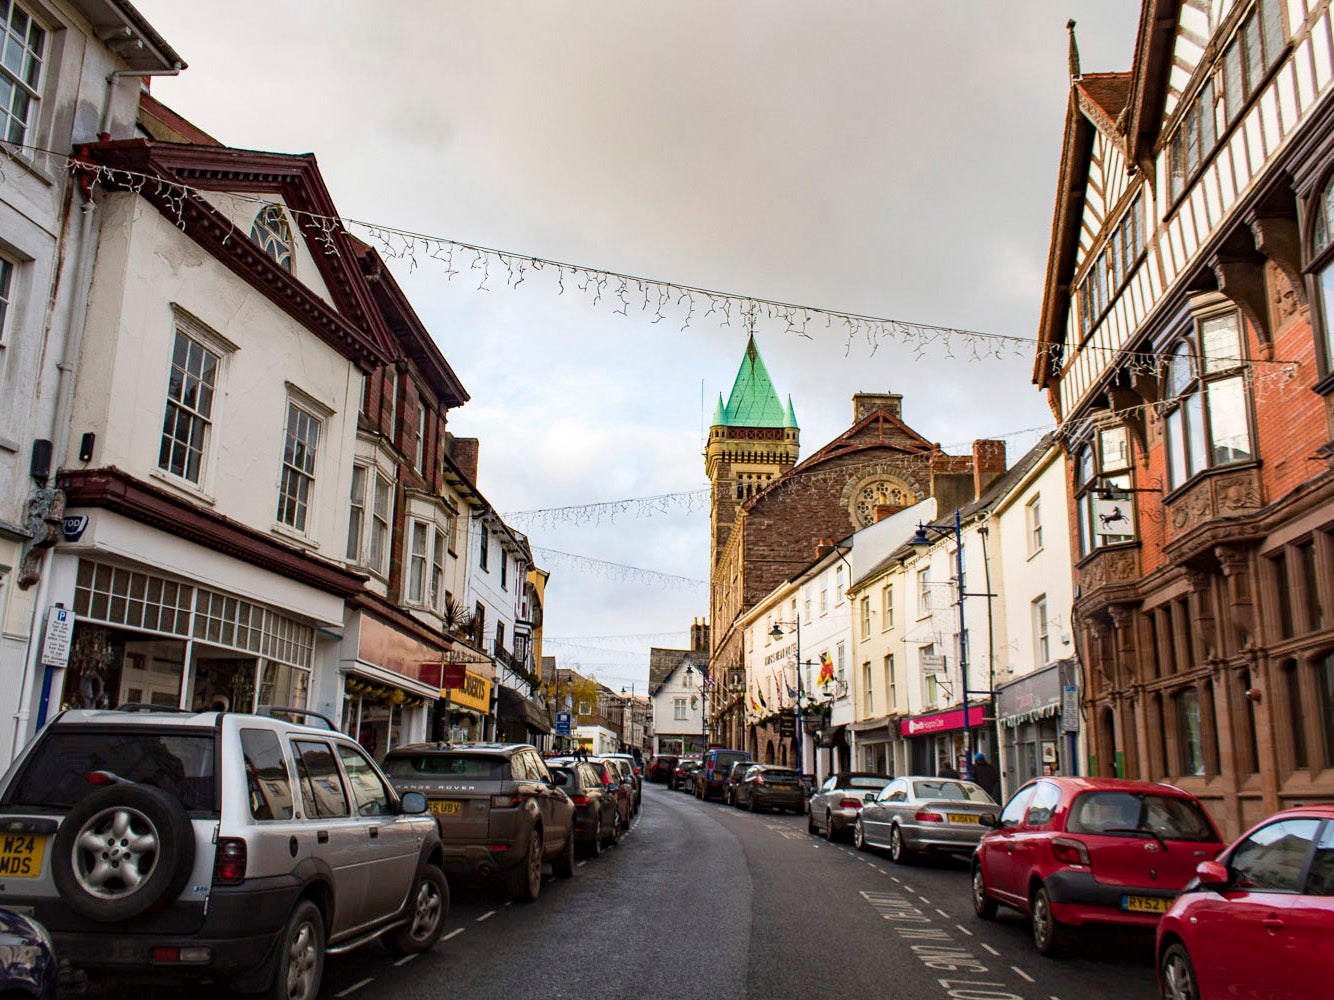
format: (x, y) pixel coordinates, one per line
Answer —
(658, 299)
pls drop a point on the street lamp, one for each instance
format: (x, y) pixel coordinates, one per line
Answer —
(777, 633)
(704, 684)
(922, 539)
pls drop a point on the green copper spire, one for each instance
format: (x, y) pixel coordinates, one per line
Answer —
(753, 402)
(790, 418)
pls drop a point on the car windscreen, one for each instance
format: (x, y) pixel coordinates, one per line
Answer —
(1122, 814)
(182, 764)
(958, 791)
(485, 767)
(864, 781)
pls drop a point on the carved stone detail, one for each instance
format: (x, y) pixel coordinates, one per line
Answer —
(1243, 281)
(1215, 496)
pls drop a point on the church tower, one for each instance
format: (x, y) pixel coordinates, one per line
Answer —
(754, 438)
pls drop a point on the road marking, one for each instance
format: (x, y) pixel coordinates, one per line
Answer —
(579, 865)
(353, 988)
(962, 928)
(509, 903)
(923, 898)
(1023, 975)
(453, 934)
(404, 960)
(991, 949)
(897, 879)
(942, 913)
(486, 916)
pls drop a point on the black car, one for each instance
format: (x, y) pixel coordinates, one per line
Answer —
(769, 786)
(597, 815)
(734, 777)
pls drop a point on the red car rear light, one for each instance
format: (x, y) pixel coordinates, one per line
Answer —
(506, 801)
(850, 804)
(580, 800)
(759, 779)
(923, 816)
(1069, 852)
(229, 861)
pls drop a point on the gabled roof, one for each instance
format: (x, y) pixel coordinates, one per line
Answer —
(1149, 80)
(354, 326)
(1096, 104)
(753, 401)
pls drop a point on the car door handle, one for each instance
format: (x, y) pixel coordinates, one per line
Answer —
(1272, 924)
(322, 837)
(375, 832)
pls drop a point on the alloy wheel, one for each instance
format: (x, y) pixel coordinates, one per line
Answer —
(597, 836)
(896, 845)
(427, 911)
(301, 976)
(534, 865)
(1178, 975)
(858, 835)
(115, 852)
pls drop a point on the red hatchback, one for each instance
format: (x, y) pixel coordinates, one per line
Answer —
(1075, 851)
(1260, 921)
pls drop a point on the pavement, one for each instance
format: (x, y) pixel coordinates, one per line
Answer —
(701, 900)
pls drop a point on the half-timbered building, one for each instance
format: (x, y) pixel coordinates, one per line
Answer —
(1185, 345)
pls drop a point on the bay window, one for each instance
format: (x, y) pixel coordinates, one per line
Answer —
(1322, 256)
(1207, 417)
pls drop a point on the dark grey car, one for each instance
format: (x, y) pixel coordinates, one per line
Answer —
(597, 816)
(499, 812)
(767, 786)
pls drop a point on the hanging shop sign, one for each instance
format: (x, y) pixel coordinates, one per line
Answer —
(941, 722)
(1113, 517)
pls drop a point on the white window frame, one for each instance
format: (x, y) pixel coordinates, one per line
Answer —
(220, 347)
(886, 607)
(418, 557)
(1041, 631)
(301, 509)
(7, 268)
(421, 436)
(868, 685)
(30, 88)
(924, 592)
(865, 607)
(1033, 523)
(678, 709)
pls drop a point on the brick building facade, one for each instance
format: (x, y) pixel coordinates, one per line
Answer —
(1185, 346)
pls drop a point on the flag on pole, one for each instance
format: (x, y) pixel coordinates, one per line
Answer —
(763, 703)
(826, 670)
(753, 703)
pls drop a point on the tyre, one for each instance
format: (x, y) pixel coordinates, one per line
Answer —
(829, 834)
(1176, 974)
(525, 878)
(1051, 937)
(428, 909)
(898, 850)
(300, 956)
(859, 836)
(599, 838)
(810, 823)
(562, 865)
(120, 851)
(750, 803)
(615, 828)
(983, 905)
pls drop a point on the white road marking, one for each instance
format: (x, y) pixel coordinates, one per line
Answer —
(509, 902)
(962, 928)
(1023, 975)
(486, 916)
(942, 913)
(353, 988)
(923, 898)
(897, 879)
(991, 949)
(579, 865)
(453, 934)
(404, 960)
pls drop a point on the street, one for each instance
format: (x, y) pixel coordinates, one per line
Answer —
(702, 900)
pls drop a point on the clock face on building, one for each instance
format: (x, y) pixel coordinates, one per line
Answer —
(878, 491)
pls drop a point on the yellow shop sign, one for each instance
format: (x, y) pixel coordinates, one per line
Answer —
(475, 693)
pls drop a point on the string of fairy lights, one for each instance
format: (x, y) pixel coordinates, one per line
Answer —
(662, 301)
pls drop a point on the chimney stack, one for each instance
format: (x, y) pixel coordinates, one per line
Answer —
(823, 547)
(699, 636)
(988, 465)
(463, 453)
(865, 403)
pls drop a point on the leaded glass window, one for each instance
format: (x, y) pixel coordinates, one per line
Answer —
(273, 235)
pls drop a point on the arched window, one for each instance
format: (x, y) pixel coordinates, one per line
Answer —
(1207, 417)
(1322, 246)
(273, 235)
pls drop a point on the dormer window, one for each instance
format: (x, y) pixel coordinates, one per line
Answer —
(273, 235)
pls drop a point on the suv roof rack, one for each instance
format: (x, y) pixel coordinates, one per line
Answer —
(289, 713)
(143, 706)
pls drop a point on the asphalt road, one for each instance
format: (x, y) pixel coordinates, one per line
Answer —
(704, 901)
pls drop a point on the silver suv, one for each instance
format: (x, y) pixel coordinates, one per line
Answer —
(229, 846)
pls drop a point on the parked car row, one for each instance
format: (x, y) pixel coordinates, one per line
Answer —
(1252, 919)
(244, 848)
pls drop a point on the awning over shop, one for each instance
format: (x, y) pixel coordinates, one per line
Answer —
(1036, 696)
(512, 705)
(833, 736)
(870, 725)
(941, 722)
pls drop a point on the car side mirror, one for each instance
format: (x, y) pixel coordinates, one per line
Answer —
(1212, 875)
(870, 797)
(413, 803)
(989, 819)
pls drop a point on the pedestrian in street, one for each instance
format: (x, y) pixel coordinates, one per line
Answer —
(944, 770)
(986, 776)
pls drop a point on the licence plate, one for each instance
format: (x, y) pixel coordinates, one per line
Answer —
(21, 855)
(1145, 904)
(961, 818)
(446, 807)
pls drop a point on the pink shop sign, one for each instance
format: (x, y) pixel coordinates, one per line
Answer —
(942, 722)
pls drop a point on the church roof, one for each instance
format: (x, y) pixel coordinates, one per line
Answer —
(753, 402)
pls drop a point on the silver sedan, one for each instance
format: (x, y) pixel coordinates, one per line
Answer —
(839, 799)
(913, 815)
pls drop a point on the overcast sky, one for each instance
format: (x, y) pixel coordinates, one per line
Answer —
(884, 157)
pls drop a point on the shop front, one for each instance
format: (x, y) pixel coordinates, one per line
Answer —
(875, 741)
(936, 740)
(462, 713)
(1028, 712)
(144, 638)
